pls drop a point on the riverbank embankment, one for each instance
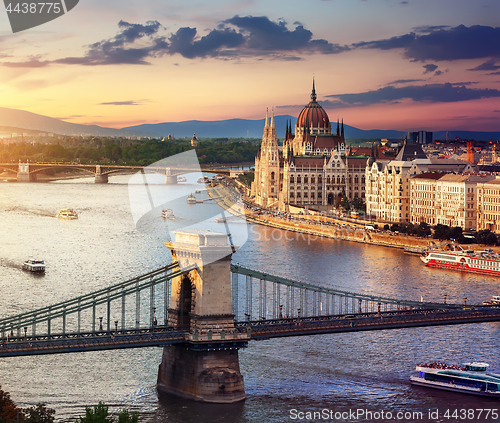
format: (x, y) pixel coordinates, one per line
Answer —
(317, 225)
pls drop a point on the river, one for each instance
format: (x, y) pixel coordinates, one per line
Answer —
(340, 372)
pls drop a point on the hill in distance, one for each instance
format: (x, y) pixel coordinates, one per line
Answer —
(229, 128)
(245, 128)
(27, 120)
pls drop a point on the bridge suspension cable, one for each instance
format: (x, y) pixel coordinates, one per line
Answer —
(264, 296)
(73, 315)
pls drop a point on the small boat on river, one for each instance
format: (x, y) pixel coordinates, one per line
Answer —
(203, 180)
(34, 266)
(191, 199)
(167, 214)
(67, 214)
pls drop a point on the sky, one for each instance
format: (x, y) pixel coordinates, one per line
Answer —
(377, 64)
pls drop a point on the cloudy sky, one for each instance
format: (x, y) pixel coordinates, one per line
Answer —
(389, 64)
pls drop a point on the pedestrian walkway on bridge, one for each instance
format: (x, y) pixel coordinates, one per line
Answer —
(135, 314)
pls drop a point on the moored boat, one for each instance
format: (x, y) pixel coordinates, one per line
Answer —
(67, 214)
(34, 266)
(181, 179)
(203, 180)
(485, 262)
(470, 378)
(167, 214)
(495, 300)
(191, 199)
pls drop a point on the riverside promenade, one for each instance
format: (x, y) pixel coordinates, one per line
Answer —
(316, 224)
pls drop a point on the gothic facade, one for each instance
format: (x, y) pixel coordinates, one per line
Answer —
(312, 168)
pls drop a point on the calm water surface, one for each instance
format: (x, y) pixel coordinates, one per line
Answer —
(338, 372)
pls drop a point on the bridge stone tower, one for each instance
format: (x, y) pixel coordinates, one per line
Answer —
(206, 366)
(100, 178)
(23, 173)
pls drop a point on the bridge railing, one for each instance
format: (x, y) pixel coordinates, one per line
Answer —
(260, 296)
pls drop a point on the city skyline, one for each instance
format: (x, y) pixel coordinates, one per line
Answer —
(404, 65)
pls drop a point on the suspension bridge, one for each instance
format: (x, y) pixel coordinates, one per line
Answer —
(135, 314)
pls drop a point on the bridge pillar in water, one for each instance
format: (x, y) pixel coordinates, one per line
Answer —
(206, 366)
(169, 178)
(100, 178)
(23, 173)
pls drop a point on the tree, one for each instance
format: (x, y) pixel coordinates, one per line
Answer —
(125, 417)
(39, 414)
(441, 231)
(99, 414)
(423, 229)
(486, 237)
(358, 204)
(8, 409)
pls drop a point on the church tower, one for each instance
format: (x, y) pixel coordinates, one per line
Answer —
(267, 171)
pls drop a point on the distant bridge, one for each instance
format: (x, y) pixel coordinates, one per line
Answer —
(27, 172)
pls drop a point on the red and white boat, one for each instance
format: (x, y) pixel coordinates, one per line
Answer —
(485, 262)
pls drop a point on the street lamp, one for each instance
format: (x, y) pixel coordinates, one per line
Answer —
(116, 325)
(100, 323)
(444, 297)
(465, 301)
(281, 311)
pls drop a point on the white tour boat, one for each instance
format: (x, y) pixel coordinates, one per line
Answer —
(167, 214)
(485, 262)
(181, 179)
(191, 199)
(470, 378)
(34, 266)
(67, 214)
(203, 180)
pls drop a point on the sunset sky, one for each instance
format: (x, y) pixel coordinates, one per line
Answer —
(378, 64)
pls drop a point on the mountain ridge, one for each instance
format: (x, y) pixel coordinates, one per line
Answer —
(227, 128)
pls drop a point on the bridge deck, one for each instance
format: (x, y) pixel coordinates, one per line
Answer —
(245, 331)
(371, 321)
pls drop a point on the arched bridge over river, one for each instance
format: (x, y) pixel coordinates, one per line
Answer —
(27, 172)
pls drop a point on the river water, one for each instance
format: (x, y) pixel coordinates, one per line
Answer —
(355, 372)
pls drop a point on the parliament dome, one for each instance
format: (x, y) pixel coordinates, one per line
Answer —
(313, 116)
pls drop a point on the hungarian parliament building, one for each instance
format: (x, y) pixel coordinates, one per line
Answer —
(311, 169)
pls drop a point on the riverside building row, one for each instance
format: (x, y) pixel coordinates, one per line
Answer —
(313, 169)
(413, 188)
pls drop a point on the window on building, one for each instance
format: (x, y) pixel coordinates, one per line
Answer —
(299, 179)
(305, 179)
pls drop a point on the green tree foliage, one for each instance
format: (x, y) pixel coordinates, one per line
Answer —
(486, 237)
(125, 417)
(358, 204)
(99, 414)
(128, 152)
(445, 232)
(39, 414)
(247, 178)
(8, 409)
